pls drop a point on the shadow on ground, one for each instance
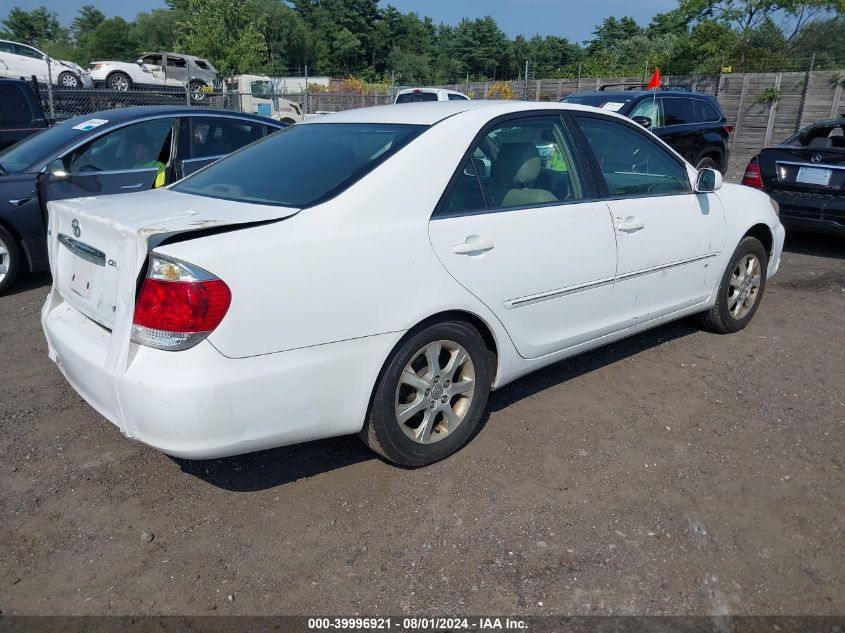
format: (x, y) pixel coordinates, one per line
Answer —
(25, 283)
(276, 467)
(818, 245)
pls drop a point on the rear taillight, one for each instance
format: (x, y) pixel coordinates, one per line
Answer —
(729, 129)
(178, 306)
(753, 177)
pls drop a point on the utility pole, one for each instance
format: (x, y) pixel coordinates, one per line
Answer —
(307, 111)
(525, 88)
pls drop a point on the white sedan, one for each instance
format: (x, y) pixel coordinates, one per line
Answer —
(379, 271)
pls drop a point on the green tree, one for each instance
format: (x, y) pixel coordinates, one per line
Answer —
(157, 30)
(228, 32)
(34, 27)
(110, 40)
(88, 19)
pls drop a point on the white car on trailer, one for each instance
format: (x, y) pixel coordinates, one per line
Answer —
(379, 271)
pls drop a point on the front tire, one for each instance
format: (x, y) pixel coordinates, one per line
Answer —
(431, 395)
(10, 260)
(741, 289)
(69, 81)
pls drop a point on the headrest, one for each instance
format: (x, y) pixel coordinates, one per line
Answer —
(517, 163)
(821, 141)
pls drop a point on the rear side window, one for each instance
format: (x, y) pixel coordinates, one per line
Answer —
(14, 108)
(176, 62)
(678, 111)
(218, 137)
(457, 98)
(302, 165)
(414, 97)
(705, 113)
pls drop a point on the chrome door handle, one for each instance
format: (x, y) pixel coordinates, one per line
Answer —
(135, 186)
(473, 245)
(19, 202)
(630, 225)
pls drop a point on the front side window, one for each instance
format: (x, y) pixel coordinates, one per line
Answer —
(457, 98)
(301, 165)
(519, 163)
(139, 146)
(151, 60)
(221, 136)
(631, 163)
(7, 47)
(678, 111)
(649, 108)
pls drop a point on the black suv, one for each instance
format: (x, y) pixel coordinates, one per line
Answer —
(693, 124)
(20, 112)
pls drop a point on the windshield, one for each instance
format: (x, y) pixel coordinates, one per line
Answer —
(612, 101)
(261, 87)
(301, 165)
(28, 154)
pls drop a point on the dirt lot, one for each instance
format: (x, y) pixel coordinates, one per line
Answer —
(677, 472)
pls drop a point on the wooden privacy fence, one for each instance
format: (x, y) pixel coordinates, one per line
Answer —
(795, 99)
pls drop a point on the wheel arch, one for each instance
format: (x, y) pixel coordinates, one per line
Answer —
(118, 71)
(447, 315)
(21, 243)
(764, 234)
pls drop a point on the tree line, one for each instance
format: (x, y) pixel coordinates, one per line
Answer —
(362, 39)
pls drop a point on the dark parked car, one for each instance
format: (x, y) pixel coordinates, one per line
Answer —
(20, 112)
(114, 151)
(806, 176)
(693, 124)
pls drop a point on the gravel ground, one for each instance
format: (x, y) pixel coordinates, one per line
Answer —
(678, 472)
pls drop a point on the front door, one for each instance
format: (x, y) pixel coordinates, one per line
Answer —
(517, 229)
(131, 158)
(669, 238)
(153, 69)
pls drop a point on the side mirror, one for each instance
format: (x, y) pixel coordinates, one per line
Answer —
(642, 120)
(56, 170)
(708, 181)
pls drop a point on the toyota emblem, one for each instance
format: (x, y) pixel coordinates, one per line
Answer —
(817, 158)
(75, 227)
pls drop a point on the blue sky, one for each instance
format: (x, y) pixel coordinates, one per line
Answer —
(570, 18)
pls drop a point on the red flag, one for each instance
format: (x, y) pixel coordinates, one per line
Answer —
(655, 80)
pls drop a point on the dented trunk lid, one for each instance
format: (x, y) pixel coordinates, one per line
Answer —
(98, 246)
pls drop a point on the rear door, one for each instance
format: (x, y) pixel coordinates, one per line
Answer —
(212, 138)
(679, 127)
(175, 70)
(668, 237)
(123, 160)
(523, 233)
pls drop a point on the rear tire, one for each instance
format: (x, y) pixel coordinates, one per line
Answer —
(740, 291)
(10, 260)
(197, 94)
(431, 395)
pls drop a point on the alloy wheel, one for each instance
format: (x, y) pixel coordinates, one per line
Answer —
(435, 391)
(4, 260)
(119, 82)
(744, 286)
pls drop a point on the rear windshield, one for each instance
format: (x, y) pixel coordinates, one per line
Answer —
(414, 97)
(302, 165)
